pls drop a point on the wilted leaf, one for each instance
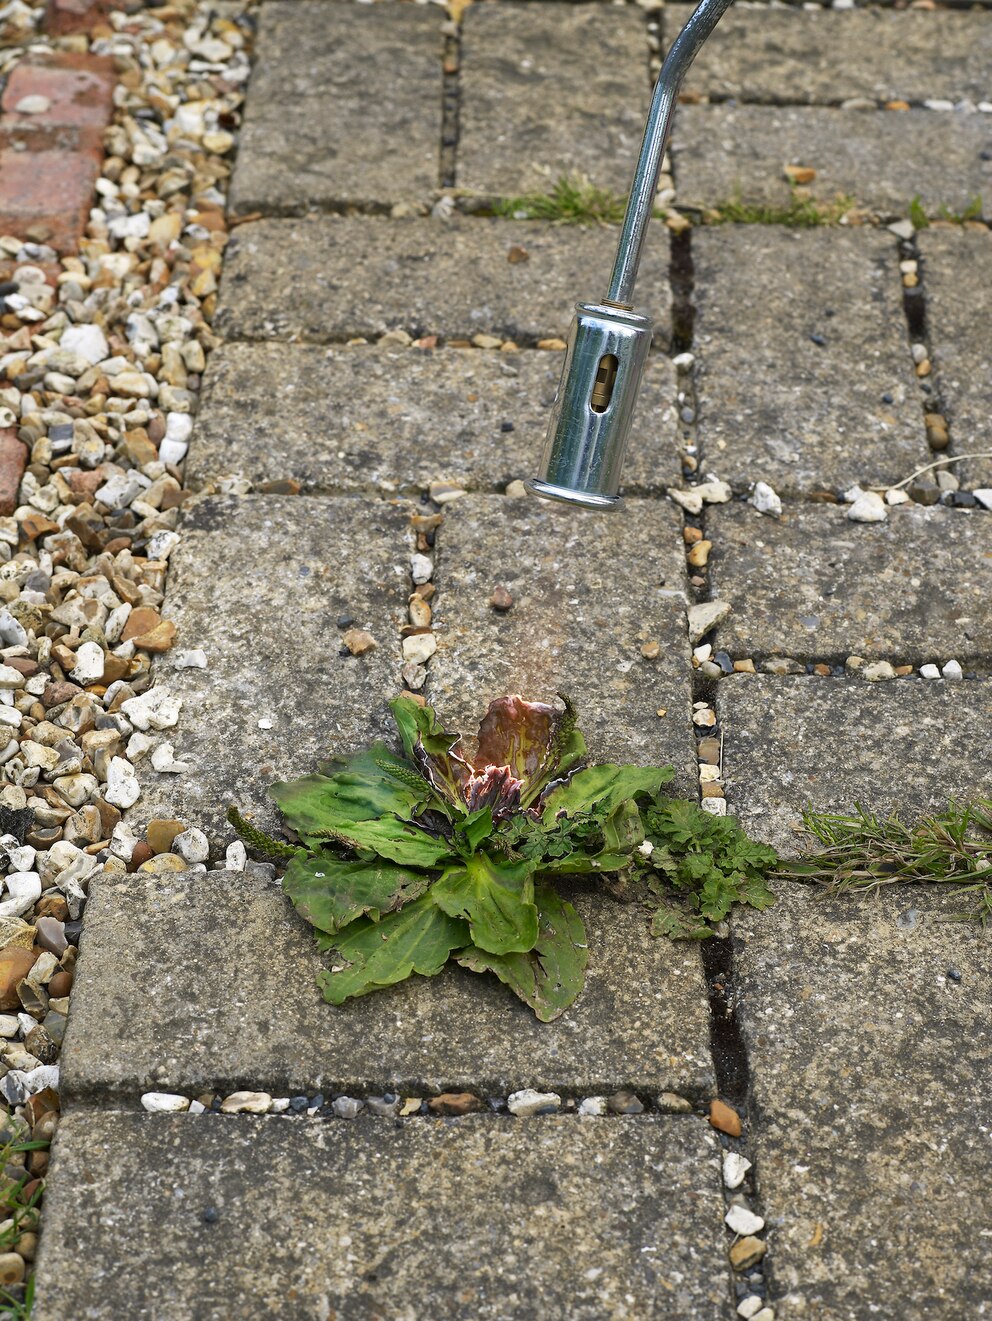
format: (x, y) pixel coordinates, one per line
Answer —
(330, 893)
(417, 938)
(496, 897)
(601, 789)
(431, 748)
(371, 784)
(551, 975)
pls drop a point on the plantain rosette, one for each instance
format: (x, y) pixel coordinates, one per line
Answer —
(409, 861)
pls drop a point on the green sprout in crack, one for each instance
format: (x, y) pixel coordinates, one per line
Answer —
(801, 212)
(449, 851)
(862, 852)
(574, 200)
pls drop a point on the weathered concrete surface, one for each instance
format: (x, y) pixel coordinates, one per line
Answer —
(587, 595)
(881, 160)
(462, 1219)
(259, 584)
(957, 267)
(781, 55)
(871, 1116)
(338, 277)
(550, 92)
(233, 1003)
(779, 407)
(815, 585)
(904, 745)
(344, 107)
(361, 418)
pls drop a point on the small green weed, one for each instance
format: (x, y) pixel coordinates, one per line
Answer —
(863, 851)
(920, 219)
(800, 213)
(574, 200)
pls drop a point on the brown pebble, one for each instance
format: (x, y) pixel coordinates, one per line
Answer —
(690, 535)
(420, 612)
(419, 698)
(358, 641)
(501, 598)
(517, 254)
(923, 368)
(746, 1252)
(142, 852)
(141, 620)
(822, 669)
(158, 639)
(162, 831)
(903, 670)
(801, 174)
(725, 1118)
(708, 751)
(456, 1103)
(425, 591)
(699, 554)
(15, 964)
(744, 667)
(551, 344)
(651, 650)
(897, 105)
(711, 789)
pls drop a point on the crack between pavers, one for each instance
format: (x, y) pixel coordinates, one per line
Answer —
(450, 104)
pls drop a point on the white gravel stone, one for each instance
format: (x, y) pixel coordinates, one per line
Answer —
(164, 1103)
(89, 663)
(88, 341)
(952, 670)
(12, 633)
(246, 1103)
(869, 507)
(155, 709)
(735, 1167)
(715, 806)
(421, 568)
(122, 841)
(190, 660)
(122, 788)
(983, 495)
(419, 648)
(896, 496)
(36, 104)
(705, 616)
(192, 845)
(740, 1220)
(10, 678)
(593, 1105)
(930, 671)
(748, 1306)
(765, 500)
(528, 1102)
(878, 671)
(22, 890)
(163, 760)
(715, 492)
(691, 501)
(683, 361)
(236, 857)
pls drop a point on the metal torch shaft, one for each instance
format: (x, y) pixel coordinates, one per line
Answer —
(640, 203)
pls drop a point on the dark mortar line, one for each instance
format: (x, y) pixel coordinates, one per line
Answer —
(334, 206)
(525, 342)
(773, 102)
(835, 659)
(917, 313)
(451, 96)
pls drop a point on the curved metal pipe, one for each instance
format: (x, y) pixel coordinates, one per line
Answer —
(640, 203)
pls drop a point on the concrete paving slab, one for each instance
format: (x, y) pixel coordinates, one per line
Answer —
(814, 585)
(865, 1025)
(549, 92)
(343, 108)
(779, 54)
(905, 745)
(215, 987)
(258, 584)
(333, 278)
(370, 418)
(587, 595)
(474, 1218)
(805, 376)
(881, 160)
(957, 266)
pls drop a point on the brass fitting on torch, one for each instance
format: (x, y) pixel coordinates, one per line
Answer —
(608, 342)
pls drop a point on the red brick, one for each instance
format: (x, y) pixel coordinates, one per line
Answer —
(79, 86)
(46, 194)
(63, 17)
(13, 459)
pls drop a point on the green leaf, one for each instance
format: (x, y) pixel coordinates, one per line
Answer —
(476, 827)
(497, 898)
(585, 864)
(551, 975)
(623, 830)
(417, 938)
(371, 784)
(397, 840)
(753, 890)
(330, 893)
(601, 789)
(677, 924)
